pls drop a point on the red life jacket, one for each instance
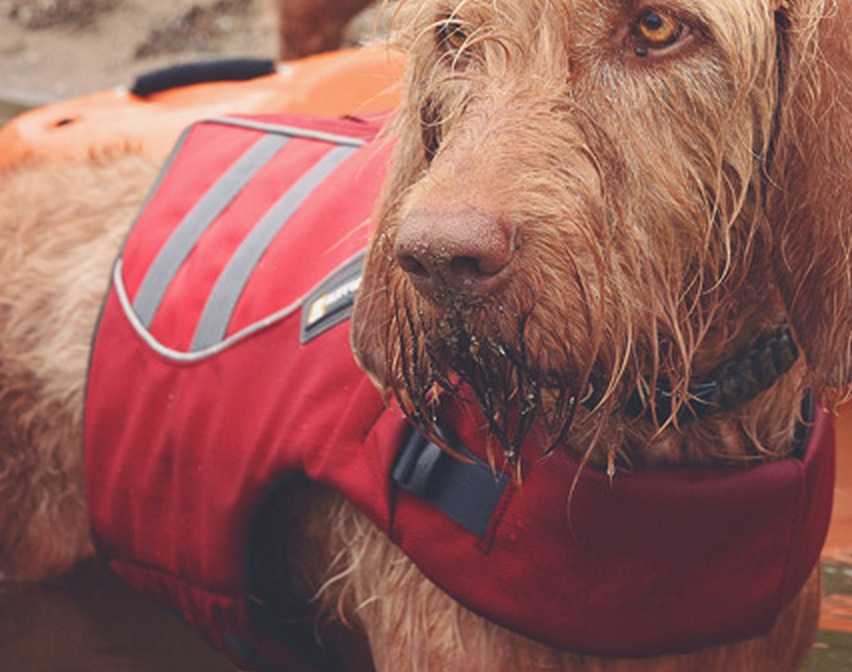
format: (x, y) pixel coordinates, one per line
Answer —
(221, 367)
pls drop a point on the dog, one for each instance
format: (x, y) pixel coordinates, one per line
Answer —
(590, 208)
(307, 27)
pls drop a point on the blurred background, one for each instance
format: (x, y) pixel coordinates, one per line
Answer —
(55, 49)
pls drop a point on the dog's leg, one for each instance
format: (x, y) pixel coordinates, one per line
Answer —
(61, 224)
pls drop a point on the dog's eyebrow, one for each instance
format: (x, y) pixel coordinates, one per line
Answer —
(687, 8)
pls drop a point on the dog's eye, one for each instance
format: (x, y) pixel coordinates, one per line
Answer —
(656, 30)
(451, 35)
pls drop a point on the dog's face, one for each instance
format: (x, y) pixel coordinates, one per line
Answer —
(585, 201)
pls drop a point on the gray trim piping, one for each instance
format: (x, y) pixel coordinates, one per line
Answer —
(292, 131)
(190, 357)
(183, 357)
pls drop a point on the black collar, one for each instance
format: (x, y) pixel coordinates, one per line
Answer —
(729, 385)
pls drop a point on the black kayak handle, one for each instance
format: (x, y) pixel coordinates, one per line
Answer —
(225, 70)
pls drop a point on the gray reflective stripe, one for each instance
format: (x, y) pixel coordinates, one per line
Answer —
(229, 287)
(209, 207)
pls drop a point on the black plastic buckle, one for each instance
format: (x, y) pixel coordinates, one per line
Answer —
(466, 492)
(416, 463)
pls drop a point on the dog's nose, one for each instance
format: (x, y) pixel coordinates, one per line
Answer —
(467, 251)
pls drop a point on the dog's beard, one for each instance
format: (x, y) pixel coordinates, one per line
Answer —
(488, 353)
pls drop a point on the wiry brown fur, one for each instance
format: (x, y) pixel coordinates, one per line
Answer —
(667, 212)
(60, 226)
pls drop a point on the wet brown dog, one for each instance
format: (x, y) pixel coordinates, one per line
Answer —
(308, 27)
(588, 200)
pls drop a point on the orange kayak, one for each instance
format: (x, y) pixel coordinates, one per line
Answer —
(153, 113)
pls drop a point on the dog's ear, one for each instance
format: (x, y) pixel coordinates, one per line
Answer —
(809, 192)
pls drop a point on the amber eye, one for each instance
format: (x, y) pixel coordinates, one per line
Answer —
(451, 35)
(656, 30)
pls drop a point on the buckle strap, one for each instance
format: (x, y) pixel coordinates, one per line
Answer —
(466, 492)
